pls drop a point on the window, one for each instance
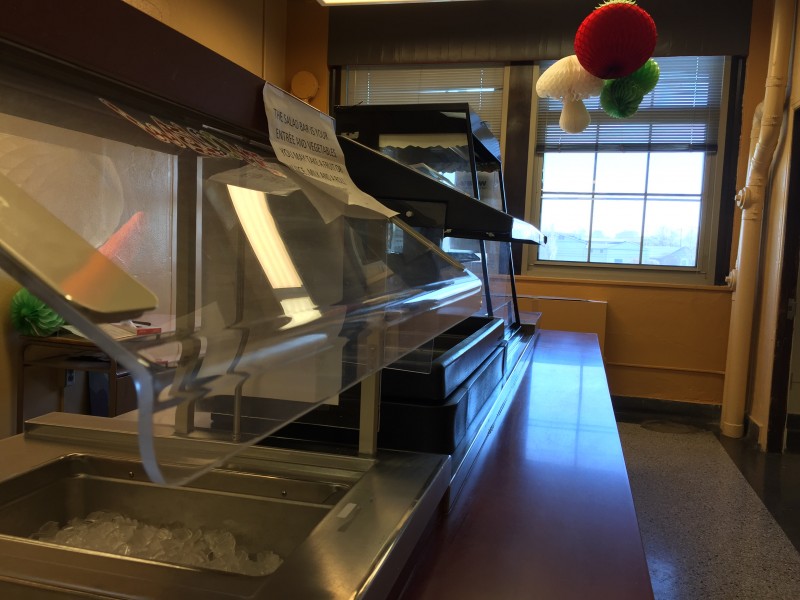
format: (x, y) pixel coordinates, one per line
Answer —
(481, 87)
(636, 193)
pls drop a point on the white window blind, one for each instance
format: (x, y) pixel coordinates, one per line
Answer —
(481, 87)
(680, 114)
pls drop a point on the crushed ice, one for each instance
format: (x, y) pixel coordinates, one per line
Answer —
(113, 533)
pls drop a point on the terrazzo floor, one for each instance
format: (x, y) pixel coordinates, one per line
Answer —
(706, 533)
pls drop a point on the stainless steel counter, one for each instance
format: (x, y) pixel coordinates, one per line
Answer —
(345, 525)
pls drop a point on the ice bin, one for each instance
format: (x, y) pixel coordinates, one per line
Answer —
(332, 519)
(261, 510)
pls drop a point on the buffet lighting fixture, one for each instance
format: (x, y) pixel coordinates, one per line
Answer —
(370, 2)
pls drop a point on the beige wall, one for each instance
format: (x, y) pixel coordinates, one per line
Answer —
(307, 46)
(272, 38)
(662, 342)
(251, 33)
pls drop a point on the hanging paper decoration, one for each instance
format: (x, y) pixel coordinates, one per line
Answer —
(646, 76)
(615, 39)
(31, 316)
(613, 49)
(570, 83)
(621, 98)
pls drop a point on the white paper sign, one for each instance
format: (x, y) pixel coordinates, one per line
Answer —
(304, 140)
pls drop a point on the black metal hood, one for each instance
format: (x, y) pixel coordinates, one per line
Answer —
(405, 190)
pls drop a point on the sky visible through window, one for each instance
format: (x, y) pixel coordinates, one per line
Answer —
(622, 207)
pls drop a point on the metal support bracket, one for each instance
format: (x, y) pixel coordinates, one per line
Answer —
(370, 415)
(184, 418)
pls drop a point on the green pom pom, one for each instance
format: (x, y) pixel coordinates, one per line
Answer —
(646, 76)
(620, 98)
(31, 316)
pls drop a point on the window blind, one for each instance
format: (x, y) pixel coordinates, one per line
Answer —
(481, 87)
(682, 113)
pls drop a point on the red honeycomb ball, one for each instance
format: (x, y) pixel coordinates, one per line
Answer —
(615, 39)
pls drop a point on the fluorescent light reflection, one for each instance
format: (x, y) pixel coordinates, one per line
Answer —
(262, 233)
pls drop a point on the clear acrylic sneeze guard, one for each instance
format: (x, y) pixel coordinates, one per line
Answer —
(273, 295)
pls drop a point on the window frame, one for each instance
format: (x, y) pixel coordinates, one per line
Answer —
(707, 249)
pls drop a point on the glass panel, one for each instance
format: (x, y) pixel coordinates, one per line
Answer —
(616, 231)
(618, 209)
(442, 156)
(465, 251)
(566, 221)
(621, 172)
(498, 256)
(490, 187)
(676, 173)
(670, 232)
(84, 181)
(280, 297)
(568, 172)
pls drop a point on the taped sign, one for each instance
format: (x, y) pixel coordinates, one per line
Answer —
(304, 139)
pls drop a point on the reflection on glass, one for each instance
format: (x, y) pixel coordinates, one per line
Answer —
(262, 234)
(441, 156)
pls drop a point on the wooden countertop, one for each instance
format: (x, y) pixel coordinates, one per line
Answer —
(547, 511)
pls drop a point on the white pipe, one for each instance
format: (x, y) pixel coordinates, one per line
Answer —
(751, 200)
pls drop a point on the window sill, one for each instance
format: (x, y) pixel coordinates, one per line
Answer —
(610, 282)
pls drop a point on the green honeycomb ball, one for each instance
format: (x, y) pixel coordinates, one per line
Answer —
(620, 98)
(646, 76)
(31, 316)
